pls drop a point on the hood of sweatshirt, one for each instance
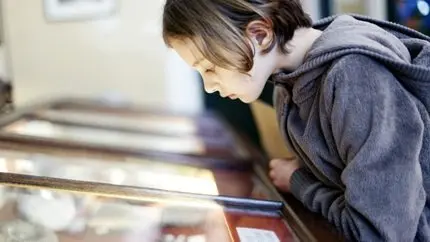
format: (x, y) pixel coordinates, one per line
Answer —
(404, 51)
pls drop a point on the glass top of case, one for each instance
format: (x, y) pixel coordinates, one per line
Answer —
(59, 216)
(136, 172)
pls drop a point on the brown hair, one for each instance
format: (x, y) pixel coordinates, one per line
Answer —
(215, 24)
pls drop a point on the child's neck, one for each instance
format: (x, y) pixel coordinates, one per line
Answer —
(298, 48)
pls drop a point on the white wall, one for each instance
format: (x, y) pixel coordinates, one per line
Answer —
(377, 8)
(183, 85)
(122, 55)
(312, 7)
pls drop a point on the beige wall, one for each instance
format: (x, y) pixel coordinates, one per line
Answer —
(350, 6)
(123, 53)
(374, 8)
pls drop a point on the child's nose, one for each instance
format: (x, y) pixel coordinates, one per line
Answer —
(210, 85)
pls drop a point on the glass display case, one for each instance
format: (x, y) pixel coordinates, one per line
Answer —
(154, 174)
(46, 197)
(45, 129)
(90, 125)
(84, 171)
(47, 215)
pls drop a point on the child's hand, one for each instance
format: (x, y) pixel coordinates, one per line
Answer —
(281, 171)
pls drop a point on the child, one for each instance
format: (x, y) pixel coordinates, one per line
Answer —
(352, 99)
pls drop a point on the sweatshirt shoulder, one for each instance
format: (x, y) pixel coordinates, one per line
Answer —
(355, 75)
(350, 67)
(357, 70)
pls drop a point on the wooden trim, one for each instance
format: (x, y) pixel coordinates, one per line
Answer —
(129, 192)
(138, 195)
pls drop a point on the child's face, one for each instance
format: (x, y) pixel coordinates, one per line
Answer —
(228, 83)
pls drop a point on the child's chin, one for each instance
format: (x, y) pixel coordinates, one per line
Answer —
(247, 100)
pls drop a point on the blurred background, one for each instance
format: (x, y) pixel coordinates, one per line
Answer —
(113, 50)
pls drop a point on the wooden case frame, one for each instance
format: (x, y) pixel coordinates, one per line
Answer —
(254, 161)
(137, 194)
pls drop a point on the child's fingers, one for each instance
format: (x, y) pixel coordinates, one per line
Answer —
(275, 162)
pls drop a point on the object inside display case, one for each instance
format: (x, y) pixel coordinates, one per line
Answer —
(92, 136)
(106, 137)
(175, 126)
(47, 215)
(207, 125)
(203, 124)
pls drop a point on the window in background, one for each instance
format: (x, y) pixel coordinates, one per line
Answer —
(411, 13)
(349, 6)
(373, 8)
(325, 8)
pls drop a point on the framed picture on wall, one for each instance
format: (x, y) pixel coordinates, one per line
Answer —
(69, 10)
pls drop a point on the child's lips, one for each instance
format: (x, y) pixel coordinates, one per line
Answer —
(232, 96)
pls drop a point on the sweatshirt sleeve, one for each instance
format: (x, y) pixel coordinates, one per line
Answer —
(378, 132)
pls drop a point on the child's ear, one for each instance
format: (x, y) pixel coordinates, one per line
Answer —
(260, 32)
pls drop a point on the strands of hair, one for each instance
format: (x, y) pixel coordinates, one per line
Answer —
(218, 27)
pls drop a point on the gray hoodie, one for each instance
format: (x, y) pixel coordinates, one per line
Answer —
(356, 113)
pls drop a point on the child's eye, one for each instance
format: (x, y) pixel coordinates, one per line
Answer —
(210, 70)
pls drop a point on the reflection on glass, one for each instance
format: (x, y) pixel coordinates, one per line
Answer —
(19, 230)
(146, 122)
(3, 197)
(106, 137)
(139, 172)
(36, 206)
(136, 172)
(35, 215)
